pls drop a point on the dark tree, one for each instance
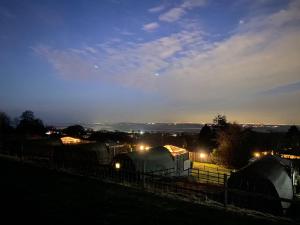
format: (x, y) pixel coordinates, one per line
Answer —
(74, 130)
(5, 127)
(220, 121)
(292, 138)
(27, 116)
(234, 146)
(29, 125)
(293, 131)
(206, 138)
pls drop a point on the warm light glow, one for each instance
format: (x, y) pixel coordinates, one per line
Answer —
(174, 150)
(70, 140)
(144, 147)
(256, 154)
(117, 165)
(287, 156)
(203, 155)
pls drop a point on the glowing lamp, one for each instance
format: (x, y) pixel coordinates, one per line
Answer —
(117, 165)
(256, 154)
(202, 155)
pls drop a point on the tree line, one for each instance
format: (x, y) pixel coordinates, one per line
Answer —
(231, 145)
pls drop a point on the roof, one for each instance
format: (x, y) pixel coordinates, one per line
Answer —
(157, 158)
(273, 170)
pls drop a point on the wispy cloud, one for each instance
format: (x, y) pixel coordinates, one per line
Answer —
(261, 54)
(156, 9)
(172, 15)
(176, 13)
(150, 26)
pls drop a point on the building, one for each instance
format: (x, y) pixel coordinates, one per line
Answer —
(167, 160)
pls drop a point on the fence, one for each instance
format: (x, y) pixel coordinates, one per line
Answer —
(206, 176)
(159, 182)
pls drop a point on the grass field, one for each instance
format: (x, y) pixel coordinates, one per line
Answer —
(32, 195)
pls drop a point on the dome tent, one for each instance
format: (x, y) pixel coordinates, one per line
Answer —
(158, 158)
(270, 176)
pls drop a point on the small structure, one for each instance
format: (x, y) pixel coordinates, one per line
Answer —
(269, 178)
(73, 141)
(167, 160)
(82, 155)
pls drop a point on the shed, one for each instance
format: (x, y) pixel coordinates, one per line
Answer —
(269, 176)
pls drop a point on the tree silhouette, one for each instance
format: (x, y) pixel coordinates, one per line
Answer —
(220, 122)
(29, 125)
(5, 127)
(234, 146)
(206, 137)
(293, 137)
(74, 130)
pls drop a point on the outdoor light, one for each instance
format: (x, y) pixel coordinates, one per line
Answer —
(117, 165)
(202, 155)
(144, 148)
(256, 154)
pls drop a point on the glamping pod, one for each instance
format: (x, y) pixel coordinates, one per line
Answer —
(268, 176)
(82, 155)
(170, 159)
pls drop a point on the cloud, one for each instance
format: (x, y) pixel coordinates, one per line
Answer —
(156, 9)
(150, 26)
(176, 13)
(172, 15)
(196, 75)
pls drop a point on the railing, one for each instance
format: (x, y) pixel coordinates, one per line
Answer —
(206, 176)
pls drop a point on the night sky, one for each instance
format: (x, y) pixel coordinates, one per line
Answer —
(151, 61)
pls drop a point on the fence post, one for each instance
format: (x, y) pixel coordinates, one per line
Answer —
(207, 176)
(225, 190)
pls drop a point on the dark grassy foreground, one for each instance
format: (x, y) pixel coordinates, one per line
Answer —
(33, 195)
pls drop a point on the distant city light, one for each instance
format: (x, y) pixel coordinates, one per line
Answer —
(117, 165)
(142, 132)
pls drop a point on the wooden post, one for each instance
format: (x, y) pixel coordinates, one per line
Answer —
(225, 190)
(207, 177)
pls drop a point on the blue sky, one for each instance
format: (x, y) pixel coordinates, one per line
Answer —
(151, 61)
